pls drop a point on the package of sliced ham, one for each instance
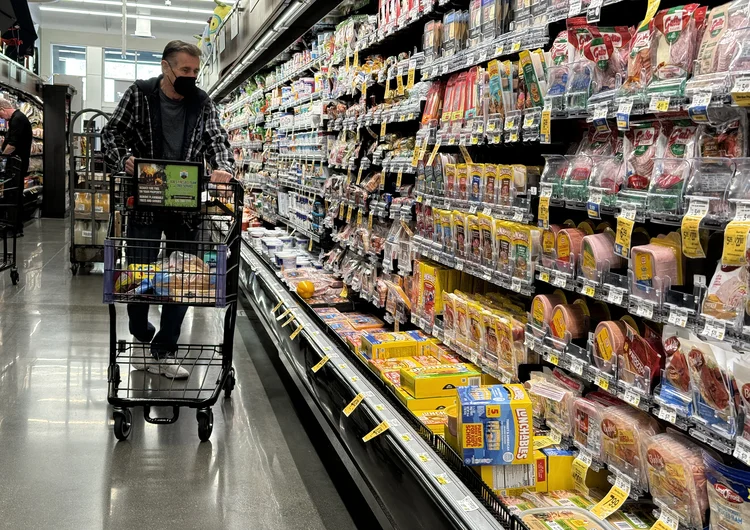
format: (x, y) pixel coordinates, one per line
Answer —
(675, 42)
(676, 389)
(607, 51)
(716, 27)
(599, 255)
(644, 142)
(728, 495)
(711, 387)
(625, 433)
(639, 59)
(725, 299)
(727, 139)
(677, 477)
(671, 170)
(737, 18)
(587, 433)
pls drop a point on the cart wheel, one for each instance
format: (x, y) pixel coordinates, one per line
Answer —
(123, 423)
(74, 268)
(229, 384)
(205, 424)
(14, 276)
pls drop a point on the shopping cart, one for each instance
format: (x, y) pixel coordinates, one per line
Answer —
(11, 212)
(197, 265)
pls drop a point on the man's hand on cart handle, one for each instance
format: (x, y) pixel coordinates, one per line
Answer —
(130, 165)
(220, 177)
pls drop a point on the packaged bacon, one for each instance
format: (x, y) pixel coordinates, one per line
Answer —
(677, 477)
(625, 432)
(674, 45)
(644, 142)
(711, 388)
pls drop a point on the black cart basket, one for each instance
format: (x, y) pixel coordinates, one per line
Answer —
(11, 212)
(196, 265)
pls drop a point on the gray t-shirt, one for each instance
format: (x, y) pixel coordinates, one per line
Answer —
(172, 126)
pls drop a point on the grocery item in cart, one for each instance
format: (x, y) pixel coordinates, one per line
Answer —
(625, 432)
(674, 45)
(728, 495)
(677, 476)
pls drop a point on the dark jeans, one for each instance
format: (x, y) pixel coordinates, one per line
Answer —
(146, 251)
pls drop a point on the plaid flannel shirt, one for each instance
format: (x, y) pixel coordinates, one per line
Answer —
(129, 131)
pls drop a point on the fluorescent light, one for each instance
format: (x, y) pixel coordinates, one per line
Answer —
(291, 10)
(174, 9)
(267, 37)
(119, 15)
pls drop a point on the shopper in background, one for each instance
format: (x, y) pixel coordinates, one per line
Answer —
(18, 137)
(165, 118)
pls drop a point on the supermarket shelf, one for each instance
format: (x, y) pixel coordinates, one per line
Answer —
(258, 94)
(297, 73)
(294, 226)
(305, 100)
(314, 190)
(439, 497)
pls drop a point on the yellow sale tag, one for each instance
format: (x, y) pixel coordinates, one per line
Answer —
(364, 89)
(369, 220)
(296, 332)
(382, 129)
(580, 469)
(423, 149)
(662, 105)
(276, 307)
(540, 442)
(434, 152)
(349, 214)
(400, 85)
(353, 404)
(691, 241)
(341, 210)
(543, 213)
(653, 7)
(410, 79)
(359, 217)
(668, 520)
(415, 156)
(466, 154)
(735, 244)
(310, 245)
(359, 175)
(545, 126)
(623, 235)
(399, 176)
(344, 292)
(356, 58)
(282, 315)
(380, 429)
(288, 321)
(388, 89)
(348, 176)
(320, 364)
(612, 500)
(601, 382)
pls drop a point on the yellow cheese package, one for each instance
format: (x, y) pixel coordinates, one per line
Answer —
(428, 403)
(494, 425)
(436, 381)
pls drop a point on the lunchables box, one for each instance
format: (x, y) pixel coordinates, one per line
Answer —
(514, 480)
(436, 381)
(494, 425)
(435, 420)
(384, 345)
(420, 404)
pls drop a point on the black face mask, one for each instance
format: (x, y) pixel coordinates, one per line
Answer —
(183, 85)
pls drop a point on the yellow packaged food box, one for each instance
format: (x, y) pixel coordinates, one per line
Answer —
(430, 403)
(494, 425)
(435, 420)
(385, 345)
(437, 381)
(389, 369)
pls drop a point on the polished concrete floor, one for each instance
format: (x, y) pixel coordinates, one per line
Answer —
(60, 465)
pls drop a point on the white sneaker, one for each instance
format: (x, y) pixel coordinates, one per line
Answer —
(141, 354)
(168, 367)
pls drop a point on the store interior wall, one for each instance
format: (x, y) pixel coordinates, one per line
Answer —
(95, 44)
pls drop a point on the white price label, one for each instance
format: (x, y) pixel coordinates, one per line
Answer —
(667, 519)
(644, 309)
(595, 196)
(678, 316)
(459, 266)
(698, 207)
(576, 366)
(546, 190)
(623, 115)
(555, 436)
(515, 284)
(575, 8)
(559, 280)
(601, 111)
(629, 211)
(487, 211)
(658, 103)
(667, 414)
(742, 212)
(714, 329)
(742, 451)
(632, 397)
(518, 216)
(473, 209)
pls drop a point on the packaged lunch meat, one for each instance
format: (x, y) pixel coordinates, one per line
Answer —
(609, 343)
(671, 171)
(711, 390)
(738, 18)
(741, 371)
(674, 45)
(568, 518)
(641, 360)
(676, 389)
(716, 27)
(644, 142)
(587, 433)
(677, 477)
(728, 495)
(725, 299)
(639, 59)
(625, 432)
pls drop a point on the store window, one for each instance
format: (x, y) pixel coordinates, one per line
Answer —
(68, 60)
(121, 70)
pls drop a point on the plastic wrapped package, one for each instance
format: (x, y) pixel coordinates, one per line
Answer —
(672, 170)
(542, 306)
(641, 360)
(741, 57)
(587, 432)
(728, 495)
(644, 142)
(625, 432)
(599, 255)
(570, 320)
(639, 61)
(711, 389)
(677, 477)
(558, 400)
(727, 139)
(558, 517)
(737, 19)
(568, 245)
(675, 37)
(609, 343)
(727, 292)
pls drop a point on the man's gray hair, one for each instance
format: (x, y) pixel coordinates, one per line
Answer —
(5, 104)
(176, 46)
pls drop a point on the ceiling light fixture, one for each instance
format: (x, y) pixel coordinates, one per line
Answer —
(142, 5)
(291, 11)
(119, 15)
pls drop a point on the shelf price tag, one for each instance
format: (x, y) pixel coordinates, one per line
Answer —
(714, 329)
(399, 84)
(276, 307)
(735, 238)
(698, 109)
(540, 442)
(741, 92)
(415, 157)
(544, 197)
(545, 126)
(349, 214)
(691, 244)
(588, 290)
(624, 232)
(667, 414)
(377, 431)
(659, 103)
(359, 175)
(369, 220)
(593, 205)
(742, 451)
(399, 176)
(364, 90)
(612, 501)
(580, 469)
(623, 115)
(320, 364)
(576, 366)
(668, 520)
(410, 76)
(678, 316)
(353, 404)
(359, 217)
(296, 332)
(601, 382)
(632, 397)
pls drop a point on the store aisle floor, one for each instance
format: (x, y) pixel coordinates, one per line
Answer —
(60, 465)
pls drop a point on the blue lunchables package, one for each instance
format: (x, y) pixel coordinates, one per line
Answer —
(495, 425)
